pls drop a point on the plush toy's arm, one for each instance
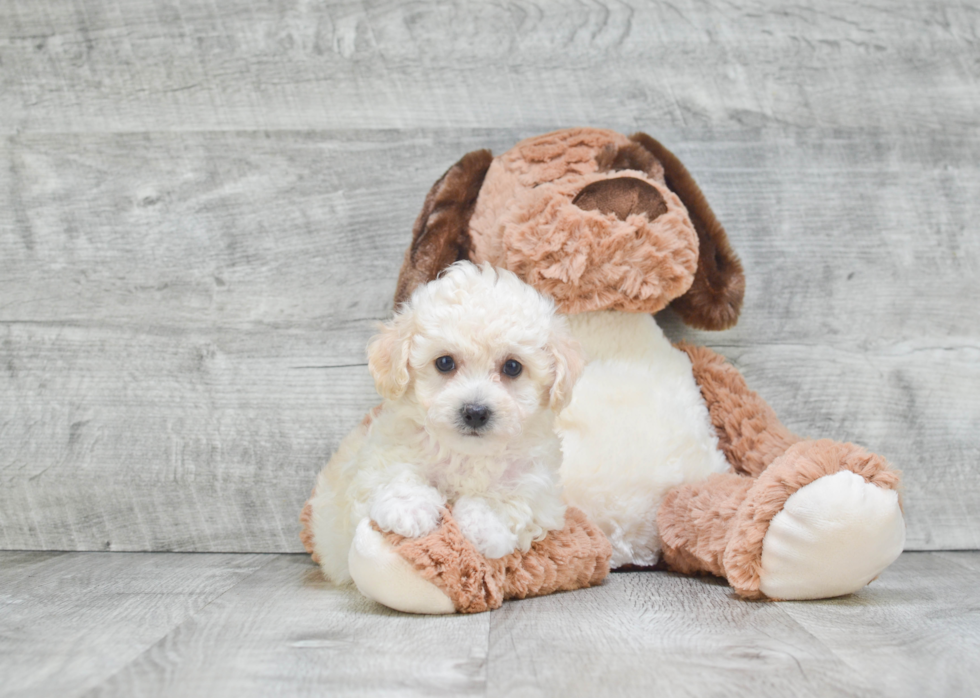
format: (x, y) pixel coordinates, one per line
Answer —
(749, 432)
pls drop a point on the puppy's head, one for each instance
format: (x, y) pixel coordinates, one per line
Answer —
(480, 355)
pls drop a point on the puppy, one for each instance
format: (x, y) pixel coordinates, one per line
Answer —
(472, 369)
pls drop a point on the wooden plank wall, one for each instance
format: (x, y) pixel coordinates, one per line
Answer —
(203, 207)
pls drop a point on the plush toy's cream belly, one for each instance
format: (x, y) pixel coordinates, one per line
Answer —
(637, 426)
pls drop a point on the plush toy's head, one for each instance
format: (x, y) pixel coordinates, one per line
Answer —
(590, 217)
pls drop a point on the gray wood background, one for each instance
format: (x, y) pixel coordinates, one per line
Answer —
(203, 207)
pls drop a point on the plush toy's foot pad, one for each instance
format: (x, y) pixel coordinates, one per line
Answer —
(382, 575)
(832, 537)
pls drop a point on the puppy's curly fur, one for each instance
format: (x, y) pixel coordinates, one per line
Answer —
(472, 369)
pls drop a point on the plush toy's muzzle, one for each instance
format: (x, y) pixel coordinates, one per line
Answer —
(590, 238)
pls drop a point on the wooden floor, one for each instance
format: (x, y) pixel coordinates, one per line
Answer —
(179, 624)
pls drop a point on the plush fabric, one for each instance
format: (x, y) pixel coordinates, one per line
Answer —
(631, 155)
(696, 522)
(384, 576)
(622, 197)
(526, 220)
(718, 526)
(811, 550)
(802, 463)
(749, 432)
(714, 300)
(441, 233)
(637, 426)
(575, 557)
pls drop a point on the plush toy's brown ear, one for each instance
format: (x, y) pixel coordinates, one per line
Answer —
(715, 298)
(441, 234)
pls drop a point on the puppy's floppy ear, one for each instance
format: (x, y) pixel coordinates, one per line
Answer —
(568, 364)
(715, 298)
(441, 234)
(388, 354)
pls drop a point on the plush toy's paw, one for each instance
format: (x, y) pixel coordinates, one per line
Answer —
(382, 575)
(832, 537)
(483, 528)
(407, 510)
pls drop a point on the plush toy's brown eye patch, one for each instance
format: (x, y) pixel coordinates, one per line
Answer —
(622, 197)
(630, 157)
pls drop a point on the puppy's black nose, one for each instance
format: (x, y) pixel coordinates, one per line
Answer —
(475, 416)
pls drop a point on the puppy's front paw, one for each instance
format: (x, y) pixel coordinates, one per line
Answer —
(410, 511)
(483, 528)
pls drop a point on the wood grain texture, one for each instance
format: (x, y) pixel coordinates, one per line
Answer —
(188, 370)
(70, 621)
(913, 632)
(659, 634)
(927, 608)
(160, 66)
(203, 209)
(289, 632)
(189, 364)
(164, 624)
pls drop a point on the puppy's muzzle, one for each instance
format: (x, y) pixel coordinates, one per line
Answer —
(474, 416)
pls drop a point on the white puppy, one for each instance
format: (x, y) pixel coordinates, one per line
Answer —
(473, 370)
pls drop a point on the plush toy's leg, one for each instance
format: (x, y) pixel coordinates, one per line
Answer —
(749, 433)
(696, 523)
(823, 520)
(443, 572)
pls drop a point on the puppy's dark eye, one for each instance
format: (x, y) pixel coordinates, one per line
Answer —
(445, 364)
(512, 368)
